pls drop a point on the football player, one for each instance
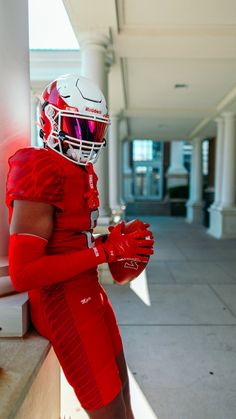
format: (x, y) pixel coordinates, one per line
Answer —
(53, 208)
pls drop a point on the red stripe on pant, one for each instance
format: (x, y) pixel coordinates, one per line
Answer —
(69, 347)
(86, 340)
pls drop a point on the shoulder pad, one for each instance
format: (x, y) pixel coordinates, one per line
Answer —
(35, 176)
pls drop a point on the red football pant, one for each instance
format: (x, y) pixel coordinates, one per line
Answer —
(80, 323)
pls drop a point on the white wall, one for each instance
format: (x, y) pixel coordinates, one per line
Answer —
(15, 94)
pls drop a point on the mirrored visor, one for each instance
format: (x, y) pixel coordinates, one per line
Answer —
(83, 129)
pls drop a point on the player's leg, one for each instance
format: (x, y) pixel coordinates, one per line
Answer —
(119, 354)
(121, 406)
(82, 343)
(121, 362)
(114, 410)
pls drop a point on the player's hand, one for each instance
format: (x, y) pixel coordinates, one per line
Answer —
(132, 226)
(136, 245)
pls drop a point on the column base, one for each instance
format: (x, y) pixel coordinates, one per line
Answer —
(222, 222)
(194, 212)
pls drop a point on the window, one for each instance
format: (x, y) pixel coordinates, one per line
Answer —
(145, 150)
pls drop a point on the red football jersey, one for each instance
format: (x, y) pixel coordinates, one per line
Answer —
(74, 314)
(42, 175)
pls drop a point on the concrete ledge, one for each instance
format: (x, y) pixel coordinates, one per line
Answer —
(29, 379)
(194, 212)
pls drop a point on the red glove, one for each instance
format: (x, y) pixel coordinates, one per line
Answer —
(124, 271)
(135, 225)
(134, 245)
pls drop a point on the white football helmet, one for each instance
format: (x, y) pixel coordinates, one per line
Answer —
(74, 118)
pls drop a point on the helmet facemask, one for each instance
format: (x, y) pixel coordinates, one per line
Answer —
(78, 137)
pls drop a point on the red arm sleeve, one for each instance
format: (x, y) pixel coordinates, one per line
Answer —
(31, 267)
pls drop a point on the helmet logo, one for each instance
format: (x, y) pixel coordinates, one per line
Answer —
(93, 110)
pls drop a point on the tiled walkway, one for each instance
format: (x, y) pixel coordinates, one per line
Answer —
(178, 324)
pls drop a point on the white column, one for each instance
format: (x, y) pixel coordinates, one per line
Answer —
(15, 90)
(113, 163)
(194, 205)
(95, 59)
(229, 162)
(219, 161)
(128, 174)
(177, 175)
(223, 216)
(34, 131)
(95, 63)
(114, 150)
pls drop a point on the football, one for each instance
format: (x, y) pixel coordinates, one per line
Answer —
(125, 271)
